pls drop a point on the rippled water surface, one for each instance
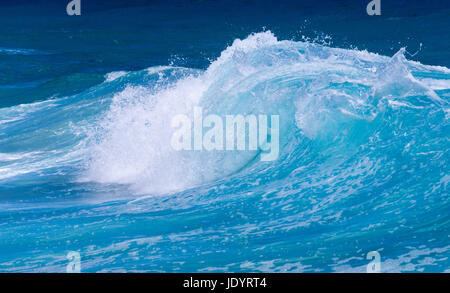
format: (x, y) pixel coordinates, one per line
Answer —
(86, 163)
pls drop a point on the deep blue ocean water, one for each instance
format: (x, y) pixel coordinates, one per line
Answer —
(85, 108)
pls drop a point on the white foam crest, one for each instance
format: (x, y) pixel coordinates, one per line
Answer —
(114, 75)
(19, 112)
(242, 47)
(436, 84)
(134, 144)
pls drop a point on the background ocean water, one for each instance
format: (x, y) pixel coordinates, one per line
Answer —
(86, 164)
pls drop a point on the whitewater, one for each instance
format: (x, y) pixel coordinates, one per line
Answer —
(363, 166)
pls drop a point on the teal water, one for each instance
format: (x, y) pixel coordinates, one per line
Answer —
(86, 164)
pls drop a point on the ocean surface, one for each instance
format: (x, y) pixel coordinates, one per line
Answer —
(86, 165)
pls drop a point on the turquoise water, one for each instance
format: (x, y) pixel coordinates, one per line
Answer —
(86, 164)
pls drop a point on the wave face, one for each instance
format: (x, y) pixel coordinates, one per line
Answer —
(363, 166)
